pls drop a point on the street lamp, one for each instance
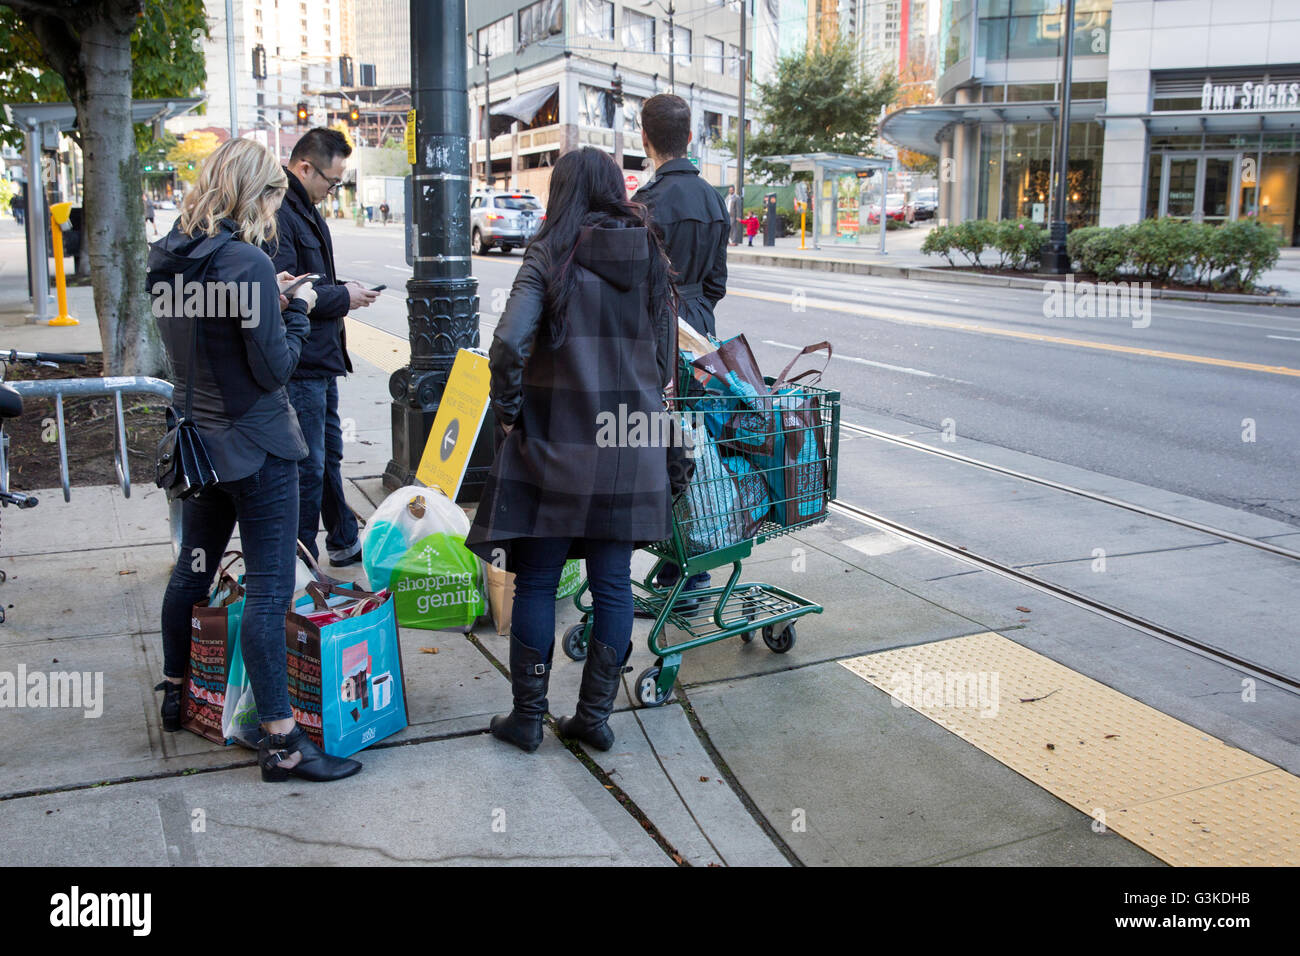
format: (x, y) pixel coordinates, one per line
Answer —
(1056, 260)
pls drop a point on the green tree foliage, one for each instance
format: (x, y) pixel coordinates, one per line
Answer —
(100, 55)
(818, 102)
(166, 59)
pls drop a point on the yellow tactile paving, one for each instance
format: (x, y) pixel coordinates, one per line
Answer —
(1182, 795)
(384, 349)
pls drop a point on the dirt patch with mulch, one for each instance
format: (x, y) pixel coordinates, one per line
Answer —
(89, 424)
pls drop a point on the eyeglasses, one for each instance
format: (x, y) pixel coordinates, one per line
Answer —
(334, 183)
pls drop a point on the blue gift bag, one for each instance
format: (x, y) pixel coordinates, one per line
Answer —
(345, 677)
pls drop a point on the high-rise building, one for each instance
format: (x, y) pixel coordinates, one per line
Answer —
(300, 43)
(381, 33)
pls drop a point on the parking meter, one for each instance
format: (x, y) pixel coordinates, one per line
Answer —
(769, 208)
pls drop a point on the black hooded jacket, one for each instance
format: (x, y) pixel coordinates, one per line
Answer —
(574, 464)
(304, 246)
(246, 348)
(693, 220)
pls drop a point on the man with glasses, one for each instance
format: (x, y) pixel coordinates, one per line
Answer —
(304, 246)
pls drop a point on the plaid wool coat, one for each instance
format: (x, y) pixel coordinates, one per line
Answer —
(574, 464)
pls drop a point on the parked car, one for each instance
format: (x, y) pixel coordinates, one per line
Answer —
(164, 204)
(926, 203)
(503, 219)
(895, 208)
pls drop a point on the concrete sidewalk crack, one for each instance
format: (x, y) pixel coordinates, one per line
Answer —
(625, 801)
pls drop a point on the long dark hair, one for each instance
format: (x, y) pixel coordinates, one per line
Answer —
(587, 189)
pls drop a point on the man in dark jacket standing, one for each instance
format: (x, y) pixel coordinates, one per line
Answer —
(304, 246)
(687, 209)
(695, 228)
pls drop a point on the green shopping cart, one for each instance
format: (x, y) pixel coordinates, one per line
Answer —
(765, 466)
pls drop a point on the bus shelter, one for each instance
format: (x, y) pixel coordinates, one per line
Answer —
(42, 125)
(827, 169)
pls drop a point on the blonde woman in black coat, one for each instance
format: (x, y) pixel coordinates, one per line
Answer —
(586, 338)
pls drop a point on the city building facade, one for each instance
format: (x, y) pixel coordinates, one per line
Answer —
(1180, 108)
(299, 46)
(556, 70)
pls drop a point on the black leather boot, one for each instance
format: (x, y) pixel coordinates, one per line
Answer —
(173, 697)
(315, 765)
(600, 681)
(529, 678)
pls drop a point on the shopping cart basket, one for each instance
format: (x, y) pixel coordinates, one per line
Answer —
(765, 466)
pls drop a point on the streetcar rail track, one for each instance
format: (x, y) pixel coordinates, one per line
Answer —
(1112, 613)
(1188, 523)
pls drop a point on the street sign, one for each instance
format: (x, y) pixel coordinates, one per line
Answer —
(632, 183)
(410, 137)
(803, 166)
(455, 428)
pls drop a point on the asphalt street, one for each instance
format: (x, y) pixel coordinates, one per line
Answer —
(1201, 401)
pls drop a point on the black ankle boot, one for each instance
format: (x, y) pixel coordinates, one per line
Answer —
(600, 681)
(315, 765)
(529, 677)
(173, 695)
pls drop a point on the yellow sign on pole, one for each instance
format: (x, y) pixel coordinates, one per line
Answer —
(455, 428)
(410, 137)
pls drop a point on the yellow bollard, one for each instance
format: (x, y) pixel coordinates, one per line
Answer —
(803, 217)
(59, 214)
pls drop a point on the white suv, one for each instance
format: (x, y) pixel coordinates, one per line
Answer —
(504, 219)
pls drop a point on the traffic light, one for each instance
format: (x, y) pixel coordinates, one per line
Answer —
(259, 62)
(302, 113)
(354, 116)
(617, 89)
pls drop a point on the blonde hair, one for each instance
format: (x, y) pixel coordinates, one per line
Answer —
(237, 182)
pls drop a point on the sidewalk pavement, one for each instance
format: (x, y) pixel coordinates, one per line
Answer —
(903, 259)
(760, 758)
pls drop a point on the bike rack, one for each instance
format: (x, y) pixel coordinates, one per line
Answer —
(90, 388)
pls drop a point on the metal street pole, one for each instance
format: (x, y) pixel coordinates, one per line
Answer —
(1056, 261)
(442, 296)
(487, 117)
(672, 49)
(740, 114)
(230, 66)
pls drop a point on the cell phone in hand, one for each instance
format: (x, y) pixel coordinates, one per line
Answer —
(379, 288)
(312, 277)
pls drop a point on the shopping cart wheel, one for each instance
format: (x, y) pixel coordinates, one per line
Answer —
(575, 641)
(747, 636)
(647, 688)
(781, 641)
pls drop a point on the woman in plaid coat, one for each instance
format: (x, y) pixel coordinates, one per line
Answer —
(579, 361)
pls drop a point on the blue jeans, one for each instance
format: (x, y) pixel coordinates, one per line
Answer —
(320, 480)
(538, 563)
(264, 504)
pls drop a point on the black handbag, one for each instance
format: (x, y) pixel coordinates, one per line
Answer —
(183, 467)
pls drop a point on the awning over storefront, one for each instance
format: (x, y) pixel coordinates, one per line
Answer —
(921, 128)
(1213, 121)
(524, 106)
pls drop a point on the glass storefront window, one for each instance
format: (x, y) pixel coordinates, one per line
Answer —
(1029, 92)
(1278, 181)
(989, 201)
(1155, 167)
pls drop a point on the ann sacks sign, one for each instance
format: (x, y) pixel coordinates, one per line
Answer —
(1250, 96)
